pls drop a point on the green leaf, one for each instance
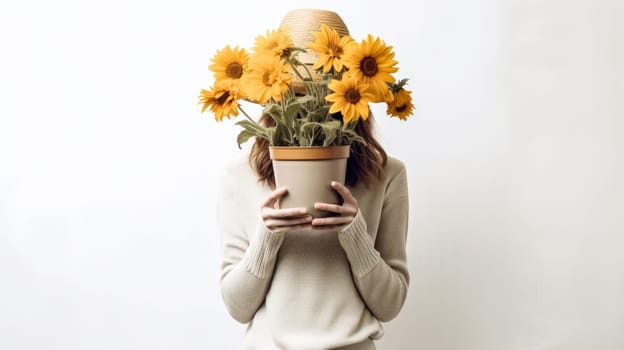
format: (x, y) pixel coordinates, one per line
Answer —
(308, 133)
(243, 137)
(317, 115)
(352, 136)
(254, 128)
(275, 111)
(271, 135)
(328, 132)
(271, 108)
(291, 112)
(280, 136)
(330, 129)
(305, 99)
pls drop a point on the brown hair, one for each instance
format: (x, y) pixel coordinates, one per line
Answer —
(365, 163)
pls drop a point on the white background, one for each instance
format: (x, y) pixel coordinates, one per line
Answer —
(514, 155)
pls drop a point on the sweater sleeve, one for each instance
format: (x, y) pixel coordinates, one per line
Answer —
(379, 268)
(247, 265)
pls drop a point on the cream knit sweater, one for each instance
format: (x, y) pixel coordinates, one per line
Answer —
(310, 290)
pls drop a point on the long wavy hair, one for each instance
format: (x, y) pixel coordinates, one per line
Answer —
(365, 163)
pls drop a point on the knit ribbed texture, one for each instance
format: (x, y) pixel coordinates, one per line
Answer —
(310, 295)
(262, 252)
(359, 247)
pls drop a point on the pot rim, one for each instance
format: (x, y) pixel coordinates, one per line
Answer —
(309, 152)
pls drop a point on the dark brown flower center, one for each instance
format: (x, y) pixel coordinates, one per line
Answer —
(223, 98)
(266, 78)
(368, 66)
(234, 70)
(335, 51)
(400, 108)
(352, 96)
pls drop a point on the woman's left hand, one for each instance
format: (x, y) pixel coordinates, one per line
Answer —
(346, 212)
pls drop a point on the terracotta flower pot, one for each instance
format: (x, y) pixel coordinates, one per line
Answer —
(307, 173)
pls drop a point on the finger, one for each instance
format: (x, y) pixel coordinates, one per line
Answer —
(334, 220)
(344, 192)
(287, 222)
(270, 213)
(334, 208)
(274, 196)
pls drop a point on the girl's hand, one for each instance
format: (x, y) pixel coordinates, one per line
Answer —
(283, 220)
(346, 212)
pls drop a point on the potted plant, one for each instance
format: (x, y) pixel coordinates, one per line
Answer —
(314, 86)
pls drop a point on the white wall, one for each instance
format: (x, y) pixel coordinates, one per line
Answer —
(107, 171)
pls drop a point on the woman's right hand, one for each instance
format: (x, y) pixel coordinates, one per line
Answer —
(283, 220)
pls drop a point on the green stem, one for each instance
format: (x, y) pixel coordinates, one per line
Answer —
(291, 126)
(240, 108)
(305, 66)
(297, 72)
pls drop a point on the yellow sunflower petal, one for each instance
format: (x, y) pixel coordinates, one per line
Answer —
(275, 43)
(372, 62)
(401, 106)
(267, 77)
(229, 64)
(350, 97)
(330, 47)
(222, 100)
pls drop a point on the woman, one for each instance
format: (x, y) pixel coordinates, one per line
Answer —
(315, 283)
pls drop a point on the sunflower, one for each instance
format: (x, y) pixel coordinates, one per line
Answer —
(330, 47)
(350, 97)
(401, 106)
(229, 63)
(267, 77)
(371, 61)
(222, 99)
(276, 43)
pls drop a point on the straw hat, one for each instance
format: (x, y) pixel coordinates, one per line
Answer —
(300, 24)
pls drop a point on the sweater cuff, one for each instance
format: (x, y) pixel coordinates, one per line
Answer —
(359, 246)
(262, 252)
